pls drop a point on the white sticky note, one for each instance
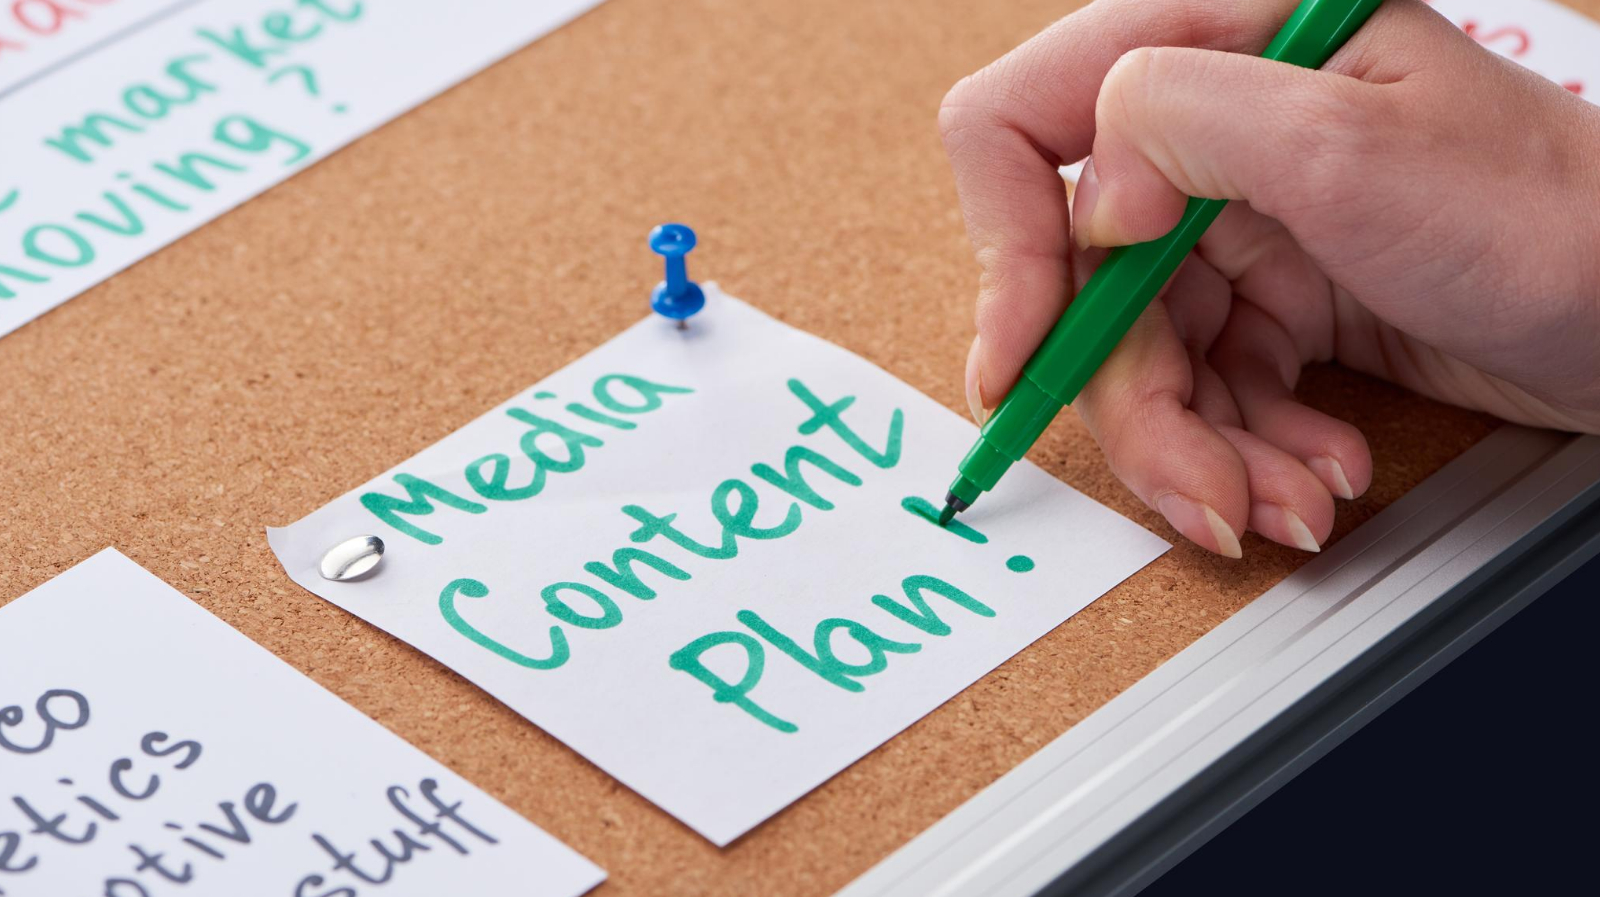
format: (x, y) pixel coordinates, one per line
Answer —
(680, 445)
(148, 748)
(134, 124)
(1559, 43)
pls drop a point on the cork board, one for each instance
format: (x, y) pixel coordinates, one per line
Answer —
(369, 306)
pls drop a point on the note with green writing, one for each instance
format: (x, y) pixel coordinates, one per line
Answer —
(124, 126)
(708, 560)
(149, 750)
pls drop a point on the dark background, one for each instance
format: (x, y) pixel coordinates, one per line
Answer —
(1480, 781)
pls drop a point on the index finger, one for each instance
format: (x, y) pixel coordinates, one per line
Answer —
(1008, 127)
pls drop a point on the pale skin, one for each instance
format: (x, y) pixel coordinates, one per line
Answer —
(1419, 210)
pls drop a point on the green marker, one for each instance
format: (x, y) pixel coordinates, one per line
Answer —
(1122, 287)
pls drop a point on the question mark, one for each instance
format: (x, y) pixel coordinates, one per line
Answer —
(307, 77)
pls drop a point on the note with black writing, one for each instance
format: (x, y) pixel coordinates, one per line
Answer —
(148, 749)
(705, 559)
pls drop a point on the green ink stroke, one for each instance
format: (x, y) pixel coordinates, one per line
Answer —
(793, 481)
(132, 223)
(620, 575)
(7, 293)
(924, 618)
(738, 519)
(494, 487)
(922, 509)
(1020, 563)
(610, 614)
(83, 251)
(650, 393)
(600, 418)
(688, 660)
(824, 662)
(257, 137)
(559, 653)
(389, 509)
(829, 415)
(489, 476)
(651, 525)
(573, 439)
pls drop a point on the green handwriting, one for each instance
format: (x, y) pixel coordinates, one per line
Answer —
(735, 505)
(240, 141)
(922, 509)
(490, 476)
(471, 588)
(821, 660)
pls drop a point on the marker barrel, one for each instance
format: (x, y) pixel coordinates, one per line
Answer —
(1106, 308)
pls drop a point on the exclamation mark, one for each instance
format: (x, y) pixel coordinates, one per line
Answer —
(929, 513)
(922, 509)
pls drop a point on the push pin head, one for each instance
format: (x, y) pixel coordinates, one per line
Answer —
(352, 560)
(677, 297)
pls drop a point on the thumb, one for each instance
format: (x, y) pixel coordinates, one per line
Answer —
(1174, 122)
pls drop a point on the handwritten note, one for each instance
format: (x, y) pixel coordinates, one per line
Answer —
(146, 748)
(704, 559)
(127, 125)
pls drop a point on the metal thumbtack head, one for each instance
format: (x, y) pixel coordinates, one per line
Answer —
(352, 560)
(677, 297)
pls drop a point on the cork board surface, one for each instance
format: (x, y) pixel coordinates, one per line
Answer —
(346, 319)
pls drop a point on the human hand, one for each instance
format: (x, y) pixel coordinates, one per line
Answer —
(1419, 210)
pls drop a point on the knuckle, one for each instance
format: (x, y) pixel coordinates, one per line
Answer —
(1124, 90)
(1132, 426)
(988, 100)
(1135, 112)
(1013, 277)
(993, 312)
(968, 105)
(961, 97)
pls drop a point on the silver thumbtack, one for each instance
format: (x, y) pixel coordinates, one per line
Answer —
(352, 560)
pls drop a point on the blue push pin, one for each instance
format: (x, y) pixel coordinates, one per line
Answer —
(676, 298)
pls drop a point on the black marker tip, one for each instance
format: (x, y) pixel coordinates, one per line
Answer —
(952, 505)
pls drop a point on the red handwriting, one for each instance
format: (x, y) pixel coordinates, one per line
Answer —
(24, 21)
(1519, 40)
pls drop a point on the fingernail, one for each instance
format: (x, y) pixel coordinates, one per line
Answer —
(1085, 197)
(1200, 523)
(1280, 524)
(1300, 534)
(975, 386)
(1332, 474)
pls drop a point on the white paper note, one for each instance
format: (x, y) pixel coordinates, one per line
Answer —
(121, 131)
(146, 747)
(707, 679)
